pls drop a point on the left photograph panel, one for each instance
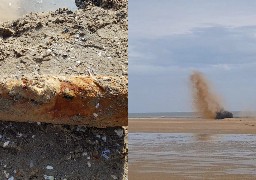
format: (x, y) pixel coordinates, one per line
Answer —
(63, 89)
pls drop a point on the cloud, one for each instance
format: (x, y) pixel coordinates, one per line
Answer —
(159, 68)
(216, 47)
(154, 19)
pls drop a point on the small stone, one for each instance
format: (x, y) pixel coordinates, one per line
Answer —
(6, 174)
(49, 167)
(104, 138)
(119, 132)
(97, 105)
(97, 136)
(48, 177)
(89, 164)
(6, 143)
(19, 135)
(95, 115)
(49, 51)
(114, 177)
(31, 164)
(125, 73)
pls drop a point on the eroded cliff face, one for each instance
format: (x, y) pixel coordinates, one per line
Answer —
(99, 101)
(89, 43)
(69, 69)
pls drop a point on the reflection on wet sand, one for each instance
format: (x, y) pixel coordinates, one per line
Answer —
(203, 137)
(192, 156)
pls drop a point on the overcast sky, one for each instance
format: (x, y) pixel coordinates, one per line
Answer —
(168, 39)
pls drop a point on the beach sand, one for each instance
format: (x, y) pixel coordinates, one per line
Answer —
(210, 155)
(193, 125)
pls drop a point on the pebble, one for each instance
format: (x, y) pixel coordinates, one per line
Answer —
(48, 177)
(95, 115)
(6, 143)
(11, 178)
(119, 132)
(49, 51)
(31, 164)
(104, 138)
(97, 105)
(89, 164)
(6, 174)
(49, 167)
(114, 177)
(19, 135)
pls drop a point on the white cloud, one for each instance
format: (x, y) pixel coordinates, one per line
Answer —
(152, 19)
(226, 67)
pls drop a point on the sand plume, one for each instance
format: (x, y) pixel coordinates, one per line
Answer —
(9, 10)
(204, 100)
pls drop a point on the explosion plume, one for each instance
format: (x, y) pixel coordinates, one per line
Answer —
(204, 100)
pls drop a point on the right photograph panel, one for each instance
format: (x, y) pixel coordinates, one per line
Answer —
(192, 102)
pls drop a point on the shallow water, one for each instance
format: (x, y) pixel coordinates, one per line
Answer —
(193, 154)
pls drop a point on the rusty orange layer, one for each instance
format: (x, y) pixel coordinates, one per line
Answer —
(94, 101)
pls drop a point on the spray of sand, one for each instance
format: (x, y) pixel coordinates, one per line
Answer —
(9, 10)
(205, 101)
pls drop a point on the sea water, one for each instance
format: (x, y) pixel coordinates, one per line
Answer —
(193, 154)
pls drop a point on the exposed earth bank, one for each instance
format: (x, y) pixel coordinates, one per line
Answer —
(92, 42)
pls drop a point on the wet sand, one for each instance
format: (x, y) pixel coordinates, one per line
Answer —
(178, 148)
(193, 125)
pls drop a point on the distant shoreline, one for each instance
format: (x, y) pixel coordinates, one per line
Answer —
(236, 114)
(193, 125)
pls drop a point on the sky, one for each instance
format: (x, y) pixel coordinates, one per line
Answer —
(169, 39)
